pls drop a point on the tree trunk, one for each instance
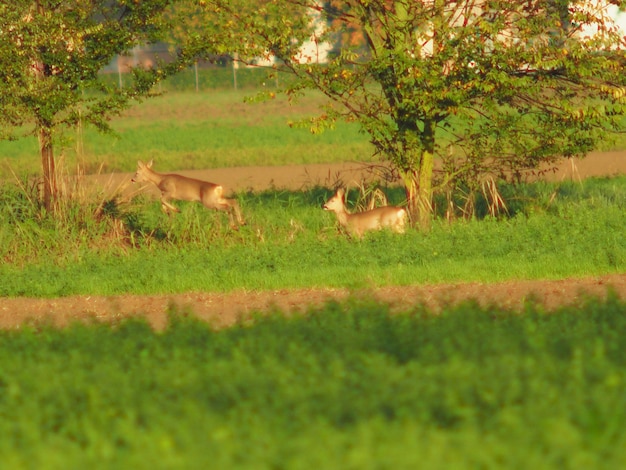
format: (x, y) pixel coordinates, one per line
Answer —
(418, 182)
(42, 71)
(425, 191)
(418, 189)
(47, 163)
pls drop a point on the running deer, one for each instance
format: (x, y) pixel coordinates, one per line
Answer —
(381, 217)
(180, 187)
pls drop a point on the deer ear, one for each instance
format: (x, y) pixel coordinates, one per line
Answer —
(149, 164)
(341, 192)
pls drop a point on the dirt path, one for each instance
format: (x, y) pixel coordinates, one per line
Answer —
(224, 309)
(297, 177)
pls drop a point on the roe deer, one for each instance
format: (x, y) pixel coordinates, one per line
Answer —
(360, 222)
(180, 187)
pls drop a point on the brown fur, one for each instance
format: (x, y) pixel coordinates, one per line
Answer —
(381, 217)
(173, 186)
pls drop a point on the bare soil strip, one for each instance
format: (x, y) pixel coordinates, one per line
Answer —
(223, 310)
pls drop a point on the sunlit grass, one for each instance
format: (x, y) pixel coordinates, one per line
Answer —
(290, 242)
(212, 129)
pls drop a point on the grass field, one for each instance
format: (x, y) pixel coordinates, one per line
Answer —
(552, 231)
(198, 131)
(344, 386)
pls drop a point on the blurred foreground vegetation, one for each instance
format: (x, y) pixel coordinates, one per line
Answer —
(343, 386)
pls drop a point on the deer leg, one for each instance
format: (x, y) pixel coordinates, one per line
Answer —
(232, 207)
(167, 206)
(231, 219)
(232, 215)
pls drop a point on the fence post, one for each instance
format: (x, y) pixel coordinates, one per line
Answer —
(235, 67)
(119, 73)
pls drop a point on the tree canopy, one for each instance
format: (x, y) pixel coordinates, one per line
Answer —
(51, 54)
(488, 87)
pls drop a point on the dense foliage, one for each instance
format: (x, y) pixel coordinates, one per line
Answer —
(345, 386)
(509, 84)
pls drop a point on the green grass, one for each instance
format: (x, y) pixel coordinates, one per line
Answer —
(209, 128)
(198, 131)
(551, 230)
(344, 386)
(289, 242)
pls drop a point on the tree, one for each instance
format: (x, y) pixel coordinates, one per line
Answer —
(486, 86)
(50, 56)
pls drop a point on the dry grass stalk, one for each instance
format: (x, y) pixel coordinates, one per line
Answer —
(495, 203)
(370, 196)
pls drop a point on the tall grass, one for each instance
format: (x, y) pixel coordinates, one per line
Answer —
(344, 386)
(290, 241)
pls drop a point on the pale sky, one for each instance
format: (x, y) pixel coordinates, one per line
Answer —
(620, 18)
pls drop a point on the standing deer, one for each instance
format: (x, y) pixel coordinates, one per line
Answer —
(375, 219)
(180, 187)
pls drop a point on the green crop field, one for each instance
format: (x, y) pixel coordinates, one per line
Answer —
(343, 386)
